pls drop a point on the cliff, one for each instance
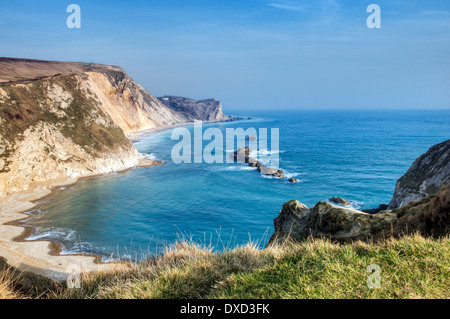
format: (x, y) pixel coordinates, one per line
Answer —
(421, 199)
(56, 127)
(205, 110)
(130, 106)
(69, 119)
(426, 175)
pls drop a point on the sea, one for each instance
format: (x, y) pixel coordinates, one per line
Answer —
(137, 214)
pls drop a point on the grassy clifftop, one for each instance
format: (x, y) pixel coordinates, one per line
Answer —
(411, 267)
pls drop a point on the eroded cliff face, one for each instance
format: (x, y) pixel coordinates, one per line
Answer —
(130, 106)
(69, 119)
(425, 177)
(54, 128)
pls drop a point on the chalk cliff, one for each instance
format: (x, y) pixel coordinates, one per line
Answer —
(68, 119)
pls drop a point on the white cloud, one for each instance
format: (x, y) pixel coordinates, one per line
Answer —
(287, 7)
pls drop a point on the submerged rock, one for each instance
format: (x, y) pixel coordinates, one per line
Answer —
(339, 201)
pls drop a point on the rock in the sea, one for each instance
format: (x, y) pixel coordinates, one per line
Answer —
(253, 162)
(426, 175)
(339, 201)
(242, 155)
(293, 180)
(269, 171)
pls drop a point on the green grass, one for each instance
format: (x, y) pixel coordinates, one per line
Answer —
(411, 267)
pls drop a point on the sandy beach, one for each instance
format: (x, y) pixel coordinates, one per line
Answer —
(42, 257)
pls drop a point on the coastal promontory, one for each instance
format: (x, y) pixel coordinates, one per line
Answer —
(70, 119)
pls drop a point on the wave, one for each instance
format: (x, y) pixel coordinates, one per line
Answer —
(150, 156)
(233, 168)
(54, 233)
(354, 204)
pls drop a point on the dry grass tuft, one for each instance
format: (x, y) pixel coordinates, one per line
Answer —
(7, 285)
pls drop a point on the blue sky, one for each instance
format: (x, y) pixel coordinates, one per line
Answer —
(252, 54)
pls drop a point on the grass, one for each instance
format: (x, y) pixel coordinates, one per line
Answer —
(7, 285)
(411, 267)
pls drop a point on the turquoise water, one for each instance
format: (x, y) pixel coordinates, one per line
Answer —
(357, 155)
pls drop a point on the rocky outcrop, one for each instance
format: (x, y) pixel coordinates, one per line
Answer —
(429, 217)
(296, 221)
(426, 175)
(423, 195)
(190, 109)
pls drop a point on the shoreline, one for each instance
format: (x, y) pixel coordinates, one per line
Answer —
(42, 256)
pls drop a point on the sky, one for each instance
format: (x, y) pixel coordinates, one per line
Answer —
(252, 55)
